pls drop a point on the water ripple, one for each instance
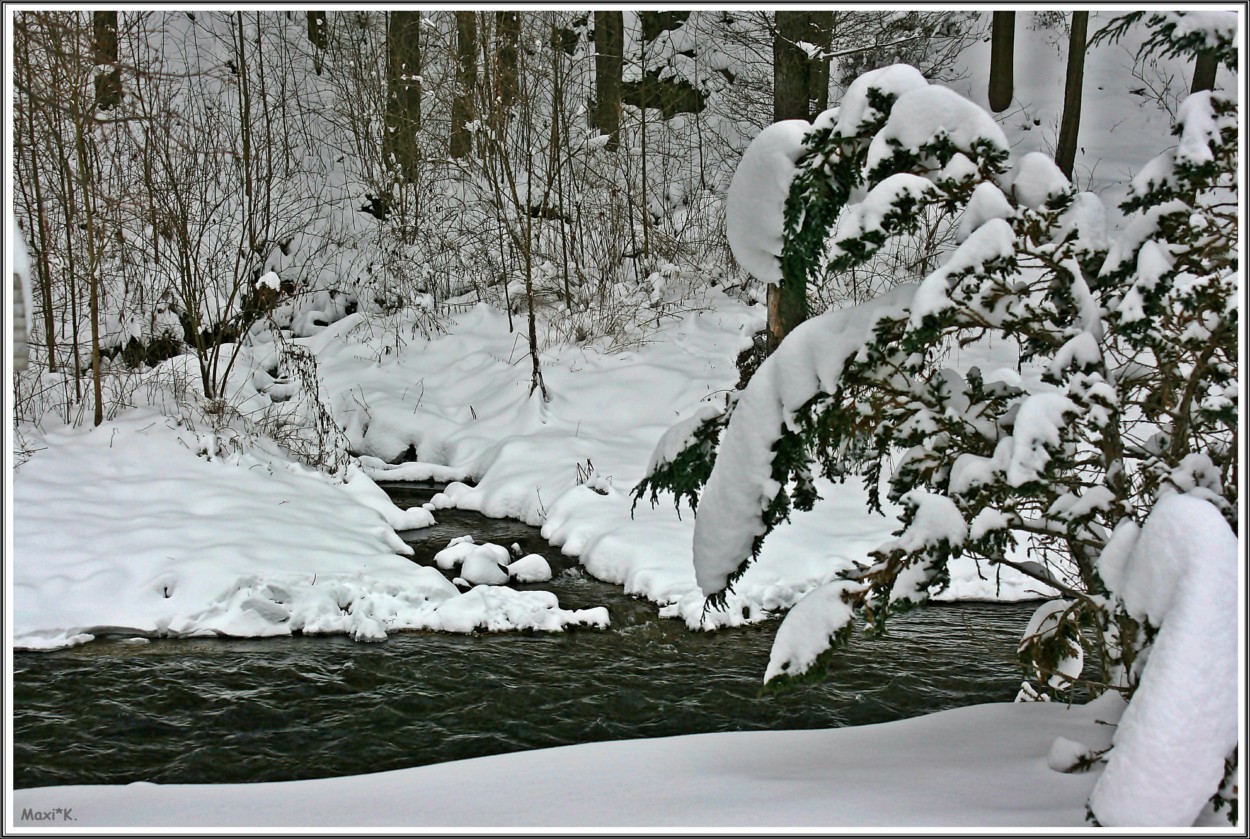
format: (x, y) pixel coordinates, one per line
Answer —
(221, 711)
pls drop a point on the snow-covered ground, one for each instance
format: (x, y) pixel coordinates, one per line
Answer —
(141, 526)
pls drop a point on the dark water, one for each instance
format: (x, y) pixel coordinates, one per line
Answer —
(218, 711)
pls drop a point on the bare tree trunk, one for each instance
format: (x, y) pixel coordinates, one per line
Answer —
(1002, 59)
(1070, 122)
(1204, 72)
(21, 353)
(820, 28)
(462, 107)
(39, 237)
(319, 37)
(609, 65)
(792, 99)
(791, 67)
(508, 33)
(108, 82)
(93, 269)
(403, 93)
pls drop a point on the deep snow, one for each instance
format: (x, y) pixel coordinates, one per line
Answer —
(132, 527)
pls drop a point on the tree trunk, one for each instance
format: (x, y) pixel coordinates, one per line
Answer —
(1204, 72)
(791, 68)
(1002, 59)
(21, 353)
(1070, 123)
(403, 93)
(108, 82)
(609, 65)
(319, 37)
(508, 32)
(462, 107)
(820, 27)
(793, 86)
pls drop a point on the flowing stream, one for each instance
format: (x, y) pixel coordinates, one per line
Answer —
(221, 711)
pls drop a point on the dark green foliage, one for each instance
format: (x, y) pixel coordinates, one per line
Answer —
(1164, 40)
(819, 669)
(1132, 354)
(685, 475)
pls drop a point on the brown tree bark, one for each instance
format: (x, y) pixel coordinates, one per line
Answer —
(403, 93)
(1204, 72)
(108, 82)
(609, 66)
(791, 68)
(1002, 60)
(800, 83)
(463, 111)
(508, 33)
(1070, 122)
(820, 29)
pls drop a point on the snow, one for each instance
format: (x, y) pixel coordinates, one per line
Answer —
(984, 766)
(755, 204)
(269, 280)
(855, 109)
(1214, 26)
(987, 202)
(21, 267)
(482, 566)
(810, 360)
(925, 114)
(936, 519)
(532, 568)
(125, 529)
(1180, 573)
(866, 216)
(807, 629)
(109, 537)
(1036, 431)
(1036, 179)
(992, 240)
(1045, 623)
(1065, 754)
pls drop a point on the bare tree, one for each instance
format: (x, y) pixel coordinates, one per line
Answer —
(1205, 67)
(108, 83)
(319, 37)
(403, 93)
(462, 106)
(1070, 122)
(1002, 59)
(609, 62)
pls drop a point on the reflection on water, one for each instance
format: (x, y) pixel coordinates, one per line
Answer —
(218, 711)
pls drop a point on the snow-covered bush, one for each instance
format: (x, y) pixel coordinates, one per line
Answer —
(1121, 391)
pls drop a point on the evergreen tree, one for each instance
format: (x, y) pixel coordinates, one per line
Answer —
(1127, 391)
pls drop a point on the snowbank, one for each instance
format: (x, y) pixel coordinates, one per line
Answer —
(463, 403)
(985, 766)
(131, 527)
(1180, 574)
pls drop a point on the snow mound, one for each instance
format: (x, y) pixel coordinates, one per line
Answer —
(755, 205)
(530, 569)
(244, 545)
(1179, 572)
(499, 609)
